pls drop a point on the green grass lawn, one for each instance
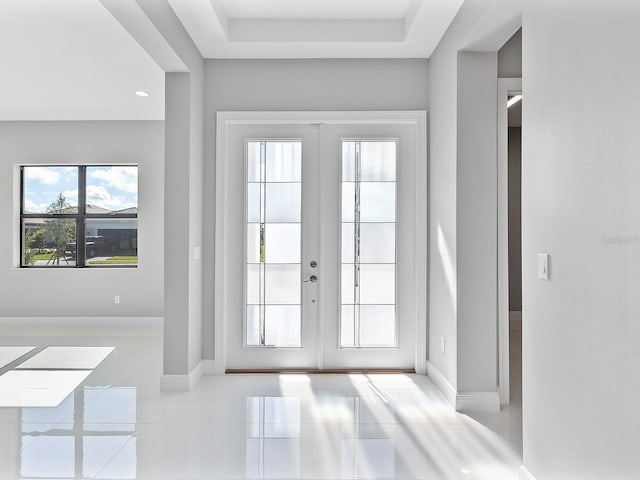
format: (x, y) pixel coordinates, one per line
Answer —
(117, 260)
(43, 256)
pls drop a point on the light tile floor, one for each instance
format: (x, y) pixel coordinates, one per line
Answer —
(117, 425)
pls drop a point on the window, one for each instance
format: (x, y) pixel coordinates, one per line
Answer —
(79, 216)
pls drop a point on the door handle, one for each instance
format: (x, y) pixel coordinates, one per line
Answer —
(312, 279)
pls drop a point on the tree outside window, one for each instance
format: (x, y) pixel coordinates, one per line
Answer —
(80, 216)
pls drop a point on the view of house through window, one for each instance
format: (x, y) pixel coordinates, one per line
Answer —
(79, 216)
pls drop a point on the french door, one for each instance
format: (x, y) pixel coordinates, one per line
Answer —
(318, 249)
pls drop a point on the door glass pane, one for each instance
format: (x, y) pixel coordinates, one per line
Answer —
(347, 284)
(283, 162)
(253, 162)
(374, 161)
(253, 202)
(378, 242)
(347, 243)
(282, 325)
(253, 324)
(254, 283)
(368, 244)
(273, 239)
(348, 203)
(377, 202)
(282, 243)
(253, 243)
(283, 202)
(377, 325)
(347, 325)
(377, 284)
(348, 162)
(282, 284)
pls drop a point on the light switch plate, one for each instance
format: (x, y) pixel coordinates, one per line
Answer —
(543, 266)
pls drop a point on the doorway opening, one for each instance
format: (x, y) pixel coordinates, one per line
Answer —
(514, 156)
(510, 102)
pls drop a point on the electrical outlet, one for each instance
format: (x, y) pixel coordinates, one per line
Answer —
(442, 344)
(116, 299)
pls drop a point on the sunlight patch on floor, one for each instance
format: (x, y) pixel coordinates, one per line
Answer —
(49, 376)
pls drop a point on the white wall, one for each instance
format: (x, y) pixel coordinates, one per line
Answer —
(83, 292)
(298, 85)
(581, 205)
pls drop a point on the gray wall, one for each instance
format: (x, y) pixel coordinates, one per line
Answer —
(184, 144)
(515, 219)
(477, 222)
(298, 85)
(83, 292)
(462, 269)
(317, 84)
(510, 57)
(581, 204)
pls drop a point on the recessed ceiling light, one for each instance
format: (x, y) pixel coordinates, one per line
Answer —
(141, 93)
(513, 100)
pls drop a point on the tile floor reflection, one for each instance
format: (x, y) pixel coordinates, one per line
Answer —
(117, 425)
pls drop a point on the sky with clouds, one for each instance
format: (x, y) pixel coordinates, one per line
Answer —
(110, 187)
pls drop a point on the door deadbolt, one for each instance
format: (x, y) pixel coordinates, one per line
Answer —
(313, 264)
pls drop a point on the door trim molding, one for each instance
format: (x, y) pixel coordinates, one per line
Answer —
(506, 86)
(417, 119)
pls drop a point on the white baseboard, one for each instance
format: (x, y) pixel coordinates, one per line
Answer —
(478, 402)
(465, 401)
(442, 383)
(525, 474)
(515, 320)
(182, 382)
(81, 326)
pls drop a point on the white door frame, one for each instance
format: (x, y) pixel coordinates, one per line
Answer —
(506, 87)
(416, 119)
